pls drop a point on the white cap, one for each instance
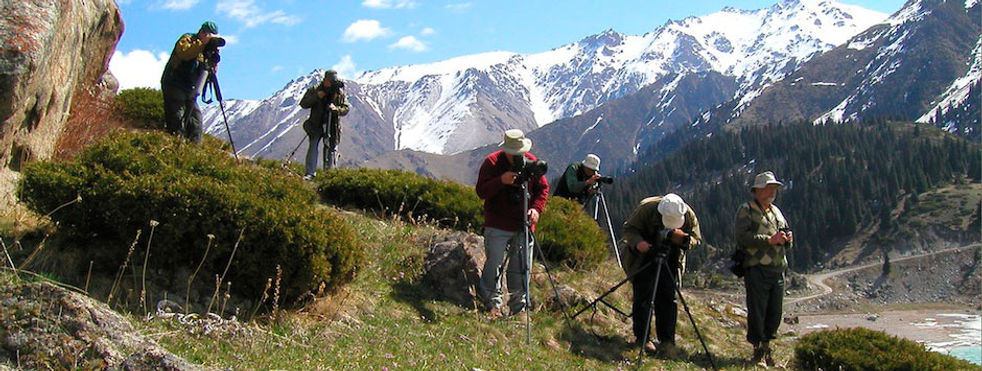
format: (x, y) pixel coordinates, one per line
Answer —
(672, 210)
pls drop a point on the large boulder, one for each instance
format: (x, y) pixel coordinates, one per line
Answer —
(49, 51)
(43, 326)
(453, 267)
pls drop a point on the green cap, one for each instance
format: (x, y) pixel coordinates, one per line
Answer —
(209, 27)
(331, 75)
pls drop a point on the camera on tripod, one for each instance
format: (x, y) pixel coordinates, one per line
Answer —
(528, 169)
(210, 53)
(605, 180)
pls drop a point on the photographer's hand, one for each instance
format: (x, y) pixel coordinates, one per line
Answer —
(332, 107)
(778, 238)
(509, 177)
(321, 94)
(593, 179)
(643, 247)
(533, 216)
(678, 237)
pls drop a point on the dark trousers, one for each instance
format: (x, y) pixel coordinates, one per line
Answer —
(666, 309)
(181, 113)
(765, 298)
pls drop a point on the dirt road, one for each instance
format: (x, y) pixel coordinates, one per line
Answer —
(818, 279)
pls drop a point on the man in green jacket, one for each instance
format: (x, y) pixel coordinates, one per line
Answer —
(181, 113)
(763, 234)
(327, 104)
(659, 227)
(579, 181)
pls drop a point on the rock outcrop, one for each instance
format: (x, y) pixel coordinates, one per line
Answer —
(43, 326)
(453, 267)
(49, 51)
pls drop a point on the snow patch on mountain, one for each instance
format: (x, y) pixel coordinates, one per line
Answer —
(958, 91)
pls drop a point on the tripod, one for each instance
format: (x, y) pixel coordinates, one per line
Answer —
(527, 248)
(660, 265)
(600, 203)
(209, 79)
(331, 134)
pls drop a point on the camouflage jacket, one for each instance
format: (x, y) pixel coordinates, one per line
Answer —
(753, 228)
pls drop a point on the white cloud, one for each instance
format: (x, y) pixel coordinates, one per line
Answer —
(346, 67)
(427, 31)
(138, 68)
(230, 39)
(409, 43)
(388, 4)
(459, 6)
(251, 15)
(179, 4)
(276, 68)
(364, 29)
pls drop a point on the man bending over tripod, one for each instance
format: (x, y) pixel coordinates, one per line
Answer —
(327, 104)
(499, 185)
(659, 229)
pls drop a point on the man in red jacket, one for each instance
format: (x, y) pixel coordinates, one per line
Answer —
(504, 222)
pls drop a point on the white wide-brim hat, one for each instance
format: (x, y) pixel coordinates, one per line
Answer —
(765, 179)
(515, 142)
(672, 210)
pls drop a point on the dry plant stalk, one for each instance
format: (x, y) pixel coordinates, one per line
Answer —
(228, 288)
(218, 285)
(276, 291)
(146, 258)
(187, 295)
(34, 253)
(119, 276)
(262, 299)
(88, 276)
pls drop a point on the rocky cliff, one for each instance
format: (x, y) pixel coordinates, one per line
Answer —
(50, 50)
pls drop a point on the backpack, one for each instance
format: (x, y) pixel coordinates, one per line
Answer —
(736, 262)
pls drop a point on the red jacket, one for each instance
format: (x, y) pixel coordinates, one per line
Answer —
(503, 202)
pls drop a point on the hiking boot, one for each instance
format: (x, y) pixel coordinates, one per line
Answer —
(758, 357)
(495, 313)
(768, 356)
(669, 350)
(649, 347)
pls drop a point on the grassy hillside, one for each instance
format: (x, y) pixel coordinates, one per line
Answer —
(388, 319)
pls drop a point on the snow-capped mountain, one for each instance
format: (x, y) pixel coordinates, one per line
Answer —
(921, 62)
(466, 102)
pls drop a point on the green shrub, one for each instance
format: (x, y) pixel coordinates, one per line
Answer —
(129, 179)
(405, 194)
(142, 104)
(565, 232)
(863, 349)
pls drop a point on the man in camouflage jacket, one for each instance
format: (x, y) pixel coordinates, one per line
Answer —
(762, 233)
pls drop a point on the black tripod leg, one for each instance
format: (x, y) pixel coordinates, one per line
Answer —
(694, 327)
(555, 289)
(651, 308)
(600, 299)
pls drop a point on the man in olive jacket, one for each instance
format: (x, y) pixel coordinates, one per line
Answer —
(327, 104)
(763, 234)
(659, 225)
(181, 113)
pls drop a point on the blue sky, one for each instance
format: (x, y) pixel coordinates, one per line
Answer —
(273, 42)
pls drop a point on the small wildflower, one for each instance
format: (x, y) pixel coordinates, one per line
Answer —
(385, 368)
(154, 223)
(388, 355)
(211, 236)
